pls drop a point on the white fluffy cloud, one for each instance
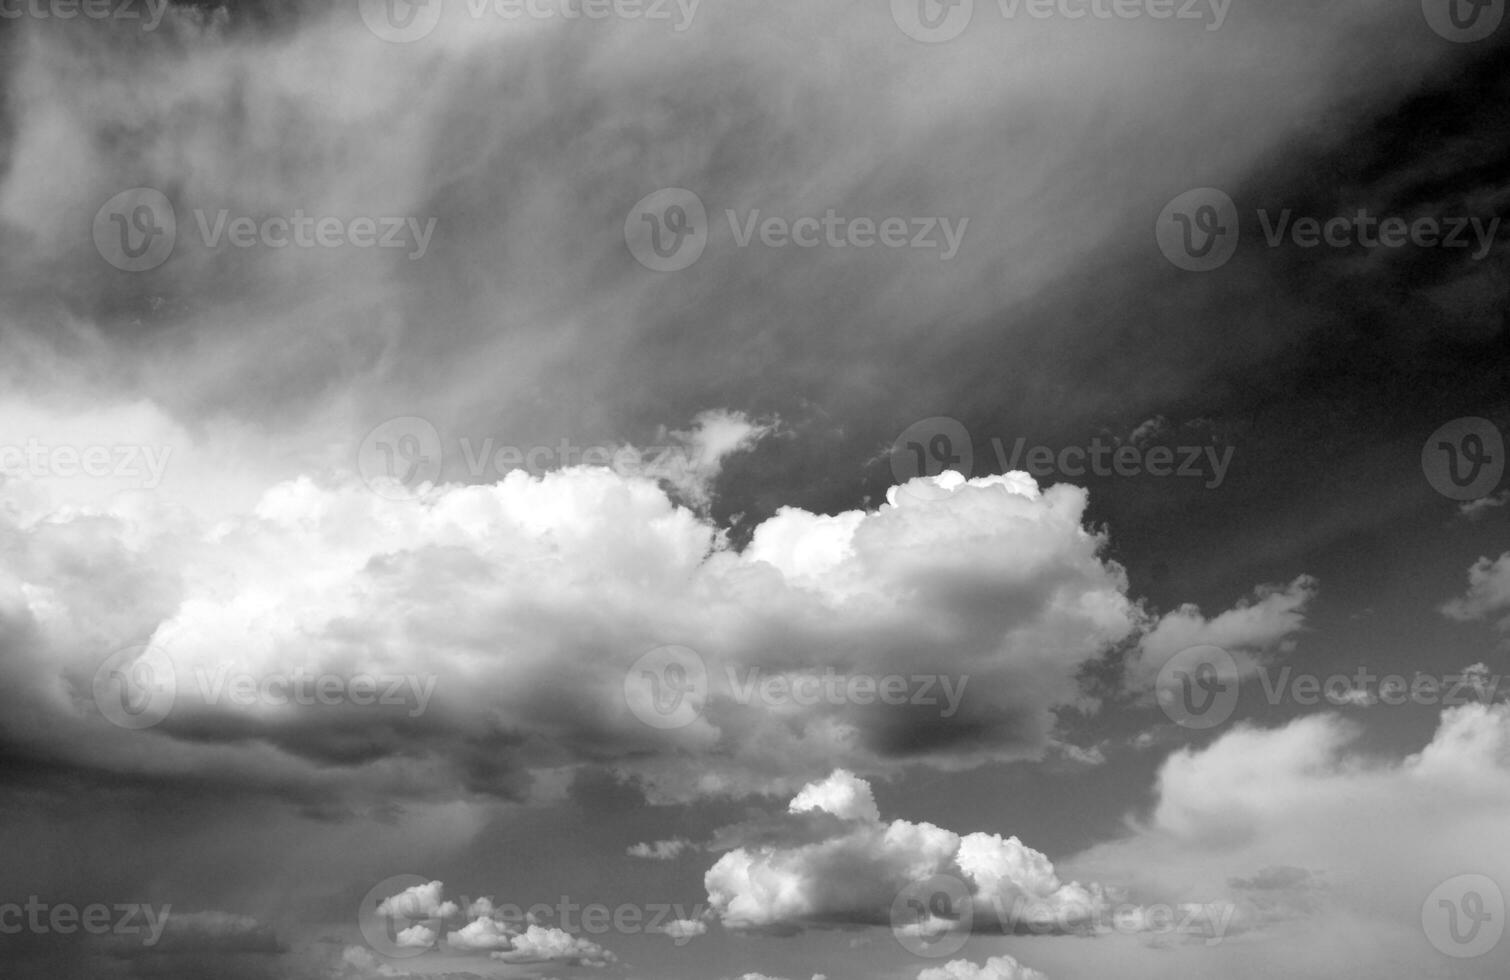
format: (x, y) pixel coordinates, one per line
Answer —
(995, 968)
(510, 613)
(832, 861)
(543, 944)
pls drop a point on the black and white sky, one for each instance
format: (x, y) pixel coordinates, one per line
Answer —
(750, 489)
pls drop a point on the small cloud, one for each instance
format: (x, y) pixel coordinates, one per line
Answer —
(662, 850)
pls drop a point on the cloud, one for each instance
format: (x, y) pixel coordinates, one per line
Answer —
(831, 861)
(542, 944)
(1488, 593)
(1269, 820)
(682, 930)
(1473, 510)
(662, 850)
(482, 608)
(1262, 623)
(995, 968)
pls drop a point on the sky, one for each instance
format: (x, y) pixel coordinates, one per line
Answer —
(735, 490)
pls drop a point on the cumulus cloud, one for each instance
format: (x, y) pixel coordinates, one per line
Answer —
(470, 599)
(995, 968)
(682, 930)
(832, 861)
(547, 944)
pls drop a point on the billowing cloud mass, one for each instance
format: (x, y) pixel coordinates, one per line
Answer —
(244, 674)
(942, 628)
(832, 861)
